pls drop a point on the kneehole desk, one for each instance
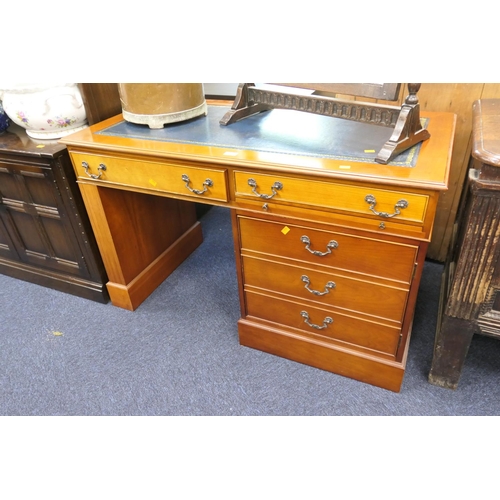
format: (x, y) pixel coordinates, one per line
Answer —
(329, 245)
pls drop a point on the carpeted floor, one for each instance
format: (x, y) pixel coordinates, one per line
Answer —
(178, 354)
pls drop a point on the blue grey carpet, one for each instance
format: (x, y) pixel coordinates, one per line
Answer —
(178, 354)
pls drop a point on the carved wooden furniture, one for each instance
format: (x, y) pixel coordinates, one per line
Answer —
(329, 251)
(471, 282)
(45, 234)
(404, 120)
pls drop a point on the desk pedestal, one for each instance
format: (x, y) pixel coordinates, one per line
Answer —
(142, 239)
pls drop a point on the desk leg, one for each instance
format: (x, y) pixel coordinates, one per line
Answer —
(141, 238)
(452, 344)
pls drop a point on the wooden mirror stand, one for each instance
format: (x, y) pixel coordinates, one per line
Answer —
(319, 99)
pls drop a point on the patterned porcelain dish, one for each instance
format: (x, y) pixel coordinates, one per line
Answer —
(46, 111)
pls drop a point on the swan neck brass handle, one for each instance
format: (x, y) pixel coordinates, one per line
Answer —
(277, 186)
(208, 183)
(332, 244)
(327, 321)
(401, 204)
(329, 286)
(100, 169)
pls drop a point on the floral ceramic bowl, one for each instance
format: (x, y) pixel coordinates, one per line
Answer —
(46, 111)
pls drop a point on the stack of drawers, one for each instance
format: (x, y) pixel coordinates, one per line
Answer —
(327, 278)
(327, 294)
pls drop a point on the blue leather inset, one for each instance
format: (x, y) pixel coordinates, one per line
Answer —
(276, 131)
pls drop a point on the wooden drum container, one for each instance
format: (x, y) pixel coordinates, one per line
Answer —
(156, 104)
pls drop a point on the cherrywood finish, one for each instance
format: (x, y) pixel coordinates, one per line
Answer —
(45, 234)
(471, 282)
(142, 239)
(375, 264)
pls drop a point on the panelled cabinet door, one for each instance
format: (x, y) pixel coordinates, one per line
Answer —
(32, 218)
(45, 234)
(7, 249)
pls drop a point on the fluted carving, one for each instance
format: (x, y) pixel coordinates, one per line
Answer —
(478, 255)
(348, 110)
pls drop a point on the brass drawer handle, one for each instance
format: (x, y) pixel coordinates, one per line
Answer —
(327, 321)
(208, 183)
(329, 286)
(331, 244)
(277, 186)
(370, 199)
(100, 169)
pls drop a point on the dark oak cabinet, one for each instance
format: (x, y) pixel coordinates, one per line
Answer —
(45, 234)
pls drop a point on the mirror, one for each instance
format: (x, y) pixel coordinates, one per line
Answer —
(319, 98)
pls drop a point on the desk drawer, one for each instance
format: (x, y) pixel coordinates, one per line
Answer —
(209, 184)
(315, 322)
(328, 289)
(360, 254)
(383, 204)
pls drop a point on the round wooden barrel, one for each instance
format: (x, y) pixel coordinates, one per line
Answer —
(157, 104)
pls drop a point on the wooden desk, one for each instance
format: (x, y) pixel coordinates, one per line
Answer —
(329, 251)
(471, 281)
